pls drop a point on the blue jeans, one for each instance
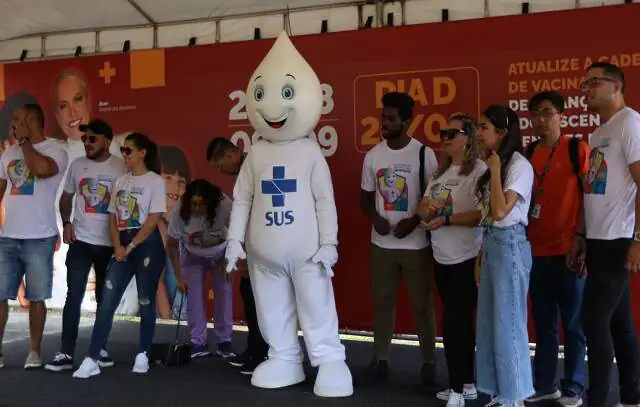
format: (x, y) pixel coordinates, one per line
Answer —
(29, 258)
(146, 263)
(80, 257)
(554, 286)
(502, 359)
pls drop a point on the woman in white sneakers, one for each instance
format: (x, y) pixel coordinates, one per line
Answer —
(450, 211)
(138, 200)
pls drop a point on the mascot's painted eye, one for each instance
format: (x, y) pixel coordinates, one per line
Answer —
(287, 92)
(258, 94)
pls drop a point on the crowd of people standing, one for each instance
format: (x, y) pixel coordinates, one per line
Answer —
(486, 225)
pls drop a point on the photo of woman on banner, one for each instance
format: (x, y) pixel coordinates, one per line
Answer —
(71, 106)
(177, 174)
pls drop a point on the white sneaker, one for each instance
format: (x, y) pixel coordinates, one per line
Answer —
(33, 361)
(141, 364)
(88, 368)
(469, 392)
(455, 399)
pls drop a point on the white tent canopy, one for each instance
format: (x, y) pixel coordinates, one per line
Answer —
(55, 28)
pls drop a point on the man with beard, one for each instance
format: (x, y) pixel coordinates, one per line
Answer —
(89, 180)
(228, 159)
(392, 187)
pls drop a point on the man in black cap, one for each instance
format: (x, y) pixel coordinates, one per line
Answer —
(89, 180)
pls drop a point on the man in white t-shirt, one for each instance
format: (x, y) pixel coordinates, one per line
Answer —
(390, 193)
(89, 180)
(612, 217)
(30, 173)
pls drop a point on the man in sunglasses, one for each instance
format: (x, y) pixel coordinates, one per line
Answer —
(89, 180)
(612, 217)
(30, 173)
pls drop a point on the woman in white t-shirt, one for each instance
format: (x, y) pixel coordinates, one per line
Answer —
(450, 211)
(137, 202)
(198, 226)
(502, 359)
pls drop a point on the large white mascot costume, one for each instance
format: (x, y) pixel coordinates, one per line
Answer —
(283, 199)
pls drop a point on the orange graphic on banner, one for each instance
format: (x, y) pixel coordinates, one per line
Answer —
(147, 69)
(107, 72)
(2, 96)
(437, 95)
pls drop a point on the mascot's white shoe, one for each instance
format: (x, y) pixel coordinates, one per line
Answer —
(277, 373)
(334, 380)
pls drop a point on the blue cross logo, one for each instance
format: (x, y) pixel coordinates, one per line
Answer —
(279, 186)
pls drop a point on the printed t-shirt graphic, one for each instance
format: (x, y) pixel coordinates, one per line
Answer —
(393, 187)
(597, 179)
(22, 181)
(442, 191)
(96, 194)
(128, 209)
(485, 207)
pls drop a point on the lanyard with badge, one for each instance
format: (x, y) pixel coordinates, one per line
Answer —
(535, 212)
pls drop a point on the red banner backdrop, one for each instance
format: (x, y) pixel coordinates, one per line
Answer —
(184, 97)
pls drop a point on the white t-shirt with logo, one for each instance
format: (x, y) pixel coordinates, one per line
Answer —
(199, 236)
(610, 191)
(134, 197)
(456, 244)
(30, 202)
(519, 179)
(394, 176)
(92, 184)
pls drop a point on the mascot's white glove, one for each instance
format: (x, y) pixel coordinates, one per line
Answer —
(234, 253)
(327, 257)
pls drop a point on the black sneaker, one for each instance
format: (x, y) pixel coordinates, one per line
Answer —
(105, 360)
(225, 350)
(240, 360)
(429, 382)
(250, 365)
(60, 362)
(377, 371)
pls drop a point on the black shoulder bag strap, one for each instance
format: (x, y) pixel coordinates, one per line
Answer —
(574, 155)
(423, 185)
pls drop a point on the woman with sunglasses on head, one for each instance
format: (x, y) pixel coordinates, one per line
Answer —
(199, 224)
(137, 203)
(450, 211)
(502, 271)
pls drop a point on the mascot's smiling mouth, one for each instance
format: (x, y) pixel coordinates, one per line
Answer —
(276, 125)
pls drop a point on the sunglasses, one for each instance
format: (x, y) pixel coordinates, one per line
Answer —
(450, 134)
(126, 150)
(91, 139)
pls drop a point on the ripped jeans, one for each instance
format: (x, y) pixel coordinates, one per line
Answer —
(146, 263)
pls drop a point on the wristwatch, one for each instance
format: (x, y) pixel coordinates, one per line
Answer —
(636, 236)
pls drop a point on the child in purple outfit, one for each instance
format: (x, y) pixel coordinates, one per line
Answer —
(197, 241)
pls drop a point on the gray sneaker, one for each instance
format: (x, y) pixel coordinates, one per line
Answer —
(570, 401)
(544, 395)
(33, 361)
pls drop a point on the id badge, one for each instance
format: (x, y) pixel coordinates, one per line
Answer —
(535, 212)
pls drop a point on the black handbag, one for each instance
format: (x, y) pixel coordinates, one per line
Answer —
(173, 353)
